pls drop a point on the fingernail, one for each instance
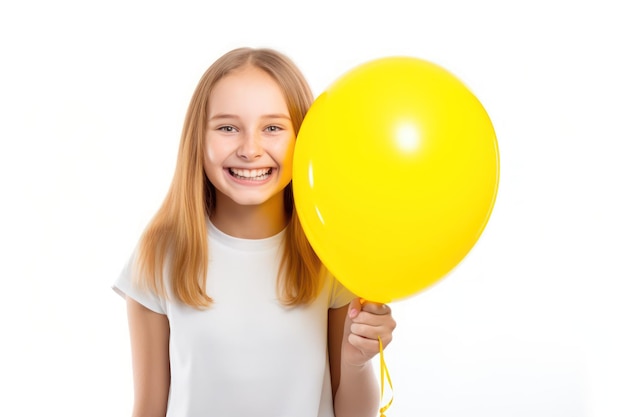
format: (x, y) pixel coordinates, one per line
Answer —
(353, 313)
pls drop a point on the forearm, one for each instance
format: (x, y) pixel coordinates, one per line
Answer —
(358, 392)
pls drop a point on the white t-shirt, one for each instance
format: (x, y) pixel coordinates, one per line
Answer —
(247, 354)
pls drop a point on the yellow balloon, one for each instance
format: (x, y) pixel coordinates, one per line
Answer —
(395, 175)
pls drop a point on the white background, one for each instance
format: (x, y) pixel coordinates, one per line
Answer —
(92, 100)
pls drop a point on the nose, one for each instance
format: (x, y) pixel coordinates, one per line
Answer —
(250, 147)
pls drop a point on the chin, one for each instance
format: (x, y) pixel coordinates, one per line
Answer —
(250, 200)
(255, 198)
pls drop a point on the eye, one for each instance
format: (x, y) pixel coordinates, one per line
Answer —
(227, 128)
(273, 128)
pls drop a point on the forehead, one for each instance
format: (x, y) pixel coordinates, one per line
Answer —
(247, 89)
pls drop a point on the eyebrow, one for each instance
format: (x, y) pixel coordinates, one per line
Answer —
(221, 116)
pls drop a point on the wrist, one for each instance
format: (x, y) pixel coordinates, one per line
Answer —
(348, 366)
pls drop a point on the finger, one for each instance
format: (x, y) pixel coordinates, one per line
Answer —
(376, 320)
(375, 308)
(368, 346)
(354, 308)
(371, 332)
(372, 326)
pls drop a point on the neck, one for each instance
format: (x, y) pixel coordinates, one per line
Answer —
(249, 222)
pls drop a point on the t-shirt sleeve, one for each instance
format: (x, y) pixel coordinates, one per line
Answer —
(126, 286)
(339, 295)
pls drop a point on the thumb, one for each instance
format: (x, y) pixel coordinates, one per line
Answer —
(354, 308)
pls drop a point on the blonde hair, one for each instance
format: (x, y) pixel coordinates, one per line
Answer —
(178, 232)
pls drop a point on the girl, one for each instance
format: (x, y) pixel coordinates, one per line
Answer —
(230, 311)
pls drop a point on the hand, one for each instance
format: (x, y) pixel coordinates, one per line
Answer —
(365, 323)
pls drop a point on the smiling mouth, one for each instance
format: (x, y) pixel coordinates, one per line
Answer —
(250, 174)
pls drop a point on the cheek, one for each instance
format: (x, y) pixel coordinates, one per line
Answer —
(210, 162)
(287, 152)
(212, 154)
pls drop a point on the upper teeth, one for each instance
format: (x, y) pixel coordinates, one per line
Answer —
(251, 173)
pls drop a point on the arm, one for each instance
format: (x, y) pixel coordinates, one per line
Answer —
(149, 339)
(352, 341)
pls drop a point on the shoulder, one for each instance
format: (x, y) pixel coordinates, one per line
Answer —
(127, 285)
(339, 295)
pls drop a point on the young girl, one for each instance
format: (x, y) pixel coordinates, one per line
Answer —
(230, 311)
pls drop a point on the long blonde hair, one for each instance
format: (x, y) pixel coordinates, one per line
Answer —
(178, 232)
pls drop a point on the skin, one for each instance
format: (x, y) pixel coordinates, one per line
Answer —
(249, 131)
(248, 154)
(149, 341)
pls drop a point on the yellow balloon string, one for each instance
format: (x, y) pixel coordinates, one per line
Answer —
(384, 373)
